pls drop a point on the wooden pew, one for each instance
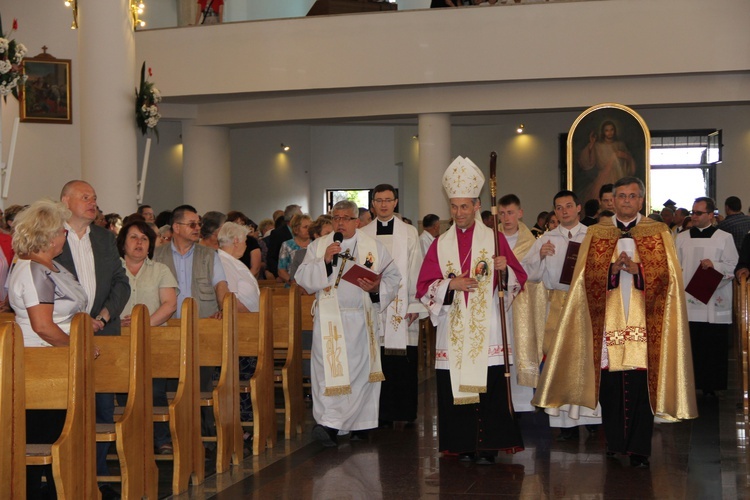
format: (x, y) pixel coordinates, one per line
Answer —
(271, 284)
(287, 346)
(63, 378)
(174, 354)
(255, 332)
(218, 347)
(124, 366)
(12, 412)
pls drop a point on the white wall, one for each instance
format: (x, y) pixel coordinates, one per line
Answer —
(164, 177)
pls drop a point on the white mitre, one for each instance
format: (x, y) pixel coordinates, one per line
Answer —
(463, 179)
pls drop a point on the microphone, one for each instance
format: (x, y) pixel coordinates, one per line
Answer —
(338, 237)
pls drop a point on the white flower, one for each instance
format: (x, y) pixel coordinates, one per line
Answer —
(155, 95)
(151, 122)
(5, 66)
(3, 44)
(153, 110)
(21, 51)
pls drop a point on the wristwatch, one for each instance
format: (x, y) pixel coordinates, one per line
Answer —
(101, 318)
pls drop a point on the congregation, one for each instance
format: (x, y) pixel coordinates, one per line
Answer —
(602, 316)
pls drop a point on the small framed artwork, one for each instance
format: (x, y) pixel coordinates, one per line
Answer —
(607, 142)
(46, 95)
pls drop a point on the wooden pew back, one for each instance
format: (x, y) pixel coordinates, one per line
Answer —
(63, 378)
(255, 338)
(12, 412)
(287, 341)
(125, 366)
(218, 347)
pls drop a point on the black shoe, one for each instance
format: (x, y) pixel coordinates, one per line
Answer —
(359, 436)
(612, 455)
(385, 424)
(466, 457)
(109, 493)
(568, 434)
(485, 459)
(593, 429)
(325, 435)
(639, 461)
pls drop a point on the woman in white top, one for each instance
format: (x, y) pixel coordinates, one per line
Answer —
(232, 244)
(45, 296)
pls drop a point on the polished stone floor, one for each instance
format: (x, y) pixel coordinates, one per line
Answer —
(701, 459)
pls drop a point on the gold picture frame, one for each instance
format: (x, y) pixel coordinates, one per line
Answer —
(46, 95)
(606, 142)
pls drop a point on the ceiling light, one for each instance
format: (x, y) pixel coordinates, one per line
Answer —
(520, 128)
(284, 147)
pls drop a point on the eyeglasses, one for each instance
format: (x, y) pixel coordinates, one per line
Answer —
(383, 201)
(698, 213)
(344, 219)
(631, 196)
(192, 225)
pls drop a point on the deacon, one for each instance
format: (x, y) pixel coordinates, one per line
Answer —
(622, 338)
(399, 329)
(551, 261)
(524, 321)
(457, 285)
(700, 250)
(346, 370)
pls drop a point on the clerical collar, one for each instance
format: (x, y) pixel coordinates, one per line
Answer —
(385, 227)
(706, 232)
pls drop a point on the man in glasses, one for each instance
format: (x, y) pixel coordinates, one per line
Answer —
(346, 368)
(702, 250)
(399, 328)
(623, 338)
(200, 275)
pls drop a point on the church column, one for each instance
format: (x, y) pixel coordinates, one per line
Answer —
(207, 174)
(106, 55)
(434, 158)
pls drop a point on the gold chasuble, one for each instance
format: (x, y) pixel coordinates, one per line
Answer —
(590, 315)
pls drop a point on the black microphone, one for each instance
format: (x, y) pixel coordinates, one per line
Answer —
(338, 237)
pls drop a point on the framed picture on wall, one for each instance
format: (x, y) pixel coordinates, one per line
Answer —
(46, 95)
(607, 142)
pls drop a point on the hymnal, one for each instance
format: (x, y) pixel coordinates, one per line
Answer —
(704, 283)
(358, 271)
(566, 276)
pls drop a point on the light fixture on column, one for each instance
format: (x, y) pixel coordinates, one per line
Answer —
(284, 147)
(136, 9)
(74, 5)
(520, 128)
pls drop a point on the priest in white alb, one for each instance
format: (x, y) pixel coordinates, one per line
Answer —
(399, 328)
(346, 370)
(457, 285)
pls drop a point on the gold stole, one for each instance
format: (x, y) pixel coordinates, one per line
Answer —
(469, 330)
(336, 364)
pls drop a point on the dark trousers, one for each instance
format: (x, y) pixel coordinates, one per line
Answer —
(398, 393)
(42, 427)
(626, 411)
(710, 343)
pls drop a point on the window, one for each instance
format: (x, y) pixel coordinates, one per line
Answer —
(683, 166)
(359, 196)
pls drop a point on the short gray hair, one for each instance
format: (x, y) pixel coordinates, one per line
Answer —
(230, 232)
(290, 211)
(346, 205)
(37, 225)
(626, 181)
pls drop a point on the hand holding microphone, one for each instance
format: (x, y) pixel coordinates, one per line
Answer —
(334, 249)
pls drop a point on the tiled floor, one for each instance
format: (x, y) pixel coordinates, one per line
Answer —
(701, 459)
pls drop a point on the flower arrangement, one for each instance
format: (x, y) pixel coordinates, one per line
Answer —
(147, 98)
(11, 55)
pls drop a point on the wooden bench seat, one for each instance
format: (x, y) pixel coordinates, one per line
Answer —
(13, 412)
(255, 338)
(174, 354)
(63, 378)
(124, 366)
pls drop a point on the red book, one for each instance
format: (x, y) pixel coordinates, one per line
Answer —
(358, 271)
(704, 283)
(571, 256)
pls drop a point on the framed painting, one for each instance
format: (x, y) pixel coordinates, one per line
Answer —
(46, 95)
(607, 142)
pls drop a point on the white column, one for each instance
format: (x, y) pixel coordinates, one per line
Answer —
(434, 158)
(207, 173)
(106, 54)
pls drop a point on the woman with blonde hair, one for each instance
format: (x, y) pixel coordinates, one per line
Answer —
(45, 296)
(300, 225)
